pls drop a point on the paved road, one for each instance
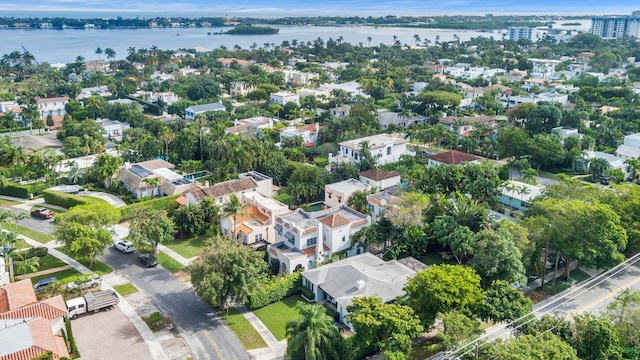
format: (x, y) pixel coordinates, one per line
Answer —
(207, 337)
(44, 226)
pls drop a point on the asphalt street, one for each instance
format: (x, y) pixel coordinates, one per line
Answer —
(206, 335)
(44, 226)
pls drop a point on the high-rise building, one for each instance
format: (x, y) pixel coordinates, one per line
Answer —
(614, 27)
(517, 33)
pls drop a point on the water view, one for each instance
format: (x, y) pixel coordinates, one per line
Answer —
(62, 46)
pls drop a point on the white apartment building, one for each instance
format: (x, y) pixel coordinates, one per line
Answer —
(524, 33)
(385, 148)
(304, 239)
(52, 106)
(543, 68)
(613, 27)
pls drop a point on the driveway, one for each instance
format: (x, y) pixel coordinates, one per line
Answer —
(207, 336)
(124, 342)
(44, 226)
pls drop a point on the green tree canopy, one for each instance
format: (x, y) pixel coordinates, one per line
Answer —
(313, 336)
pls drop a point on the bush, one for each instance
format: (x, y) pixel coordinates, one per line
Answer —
(65, 200)
(39, 251)
(277, 289)
(15, 190)
(167, 203)
(307, 293)
(71, 341)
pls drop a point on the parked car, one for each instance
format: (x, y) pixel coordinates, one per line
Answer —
(125, 246)
(91, 281)
(42, 284)
(148, 260)
(42, 213)
(604, 180)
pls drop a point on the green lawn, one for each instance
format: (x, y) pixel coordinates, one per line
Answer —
(276, 316)
(7, 203)
(169, 263)
(48, 262)
(30, 233)
(98, 266)
(248, 335)
(60, 275)
(187, 247)
(126, 289)
(21, 244)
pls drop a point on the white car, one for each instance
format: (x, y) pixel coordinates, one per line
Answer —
(91, 281)
(125, 246)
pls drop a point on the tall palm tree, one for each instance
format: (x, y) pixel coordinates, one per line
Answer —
(312, 336)
(152, 182)
(529, 175)
(597, 167)
(166, 136)
(99, 52)
(9, 120)
(233, 208)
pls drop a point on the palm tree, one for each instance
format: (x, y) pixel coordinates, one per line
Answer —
(633, 165)
(200, 121)
(312, 336)
(110, 53)
(166, 136)
(26, 264)
(98, 52)
(597, 167)
(233, 208)
(9, 120)
(369, 40)
(152, 182)
(529, 176)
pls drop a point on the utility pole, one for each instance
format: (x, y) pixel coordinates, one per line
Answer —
(546, 256)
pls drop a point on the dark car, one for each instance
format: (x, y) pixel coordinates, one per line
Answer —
(148, 260)
(41, 284)
(42, 213)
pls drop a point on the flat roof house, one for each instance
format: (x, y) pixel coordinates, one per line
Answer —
(191, 112)
(338, 283)
(134, 178)
(339, 193)
(284, 97)
(385, 148)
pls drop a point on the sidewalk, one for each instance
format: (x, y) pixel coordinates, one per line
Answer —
(535, 284)
(154, 346)
(277, 349)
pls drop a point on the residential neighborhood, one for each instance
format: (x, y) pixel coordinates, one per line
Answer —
(406, 200)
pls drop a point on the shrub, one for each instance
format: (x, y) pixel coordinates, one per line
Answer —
(307, 293)
(39, 251)
(277, 289)
(65, 200)
(71, 341)
(167, 203)
(16, 190)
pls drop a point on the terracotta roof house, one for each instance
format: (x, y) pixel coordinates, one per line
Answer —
(29, 328)
(134, 178)
(380, 179)
(246, 183)
(304, 239)
(254, 225)
(378, 204)
(309, 133)
(453, 157)
(464, 125)
(52, 106)
(338, 283)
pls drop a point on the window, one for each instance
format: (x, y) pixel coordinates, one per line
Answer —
(389, 150)
(311, 241)
(339, 198)
(329, 194)
(259, 237)
(344, 238)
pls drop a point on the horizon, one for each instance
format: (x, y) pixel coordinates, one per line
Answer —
(284, 8)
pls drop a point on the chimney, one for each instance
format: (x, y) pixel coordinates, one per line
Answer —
(206, 183)
(360, 284)
(319, 239)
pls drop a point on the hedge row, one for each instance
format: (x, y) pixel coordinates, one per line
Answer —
(69, 200)
(279, 288)
(22, 128)
(16, 190)
(167, 203)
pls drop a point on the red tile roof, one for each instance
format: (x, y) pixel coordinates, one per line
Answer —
(52, 308)
(335, 220)
(223, 188)
(454, 157)
(16, 295)
(40, 100)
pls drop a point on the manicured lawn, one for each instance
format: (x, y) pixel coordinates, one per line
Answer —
(98, 266)
(60, 275)
(276, 316)
(30, 233)
(48, 262)
(169, 263)
(247, 334)
(21, 244)
(7, 203)
(187, 247)
(126, 289)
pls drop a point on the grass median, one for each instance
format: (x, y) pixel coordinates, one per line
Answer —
(30, 233)
(169, 263)
(126, 289)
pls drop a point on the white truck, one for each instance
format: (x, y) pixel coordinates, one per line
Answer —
(105, 299)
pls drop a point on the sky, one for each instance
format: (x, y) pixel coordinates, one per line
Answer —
(282, 8)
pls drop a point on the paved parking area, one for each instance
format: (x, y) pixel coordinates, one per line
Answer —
(108, 335)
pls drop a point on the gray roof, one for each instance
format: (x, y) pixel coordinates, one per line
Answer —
(340, 279)
(15, 335)
(28, 142)
(206, 107)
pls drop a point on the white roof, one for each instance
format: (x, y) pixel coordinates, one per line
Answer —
(361, 275)
(614, 162)
(347, 186)
(531, 193)
(628, 151)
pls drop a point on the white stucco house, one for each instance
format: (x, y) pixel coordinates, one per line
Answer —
(338, 283)
(305, 238)
(385, 148)
(284, 97)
